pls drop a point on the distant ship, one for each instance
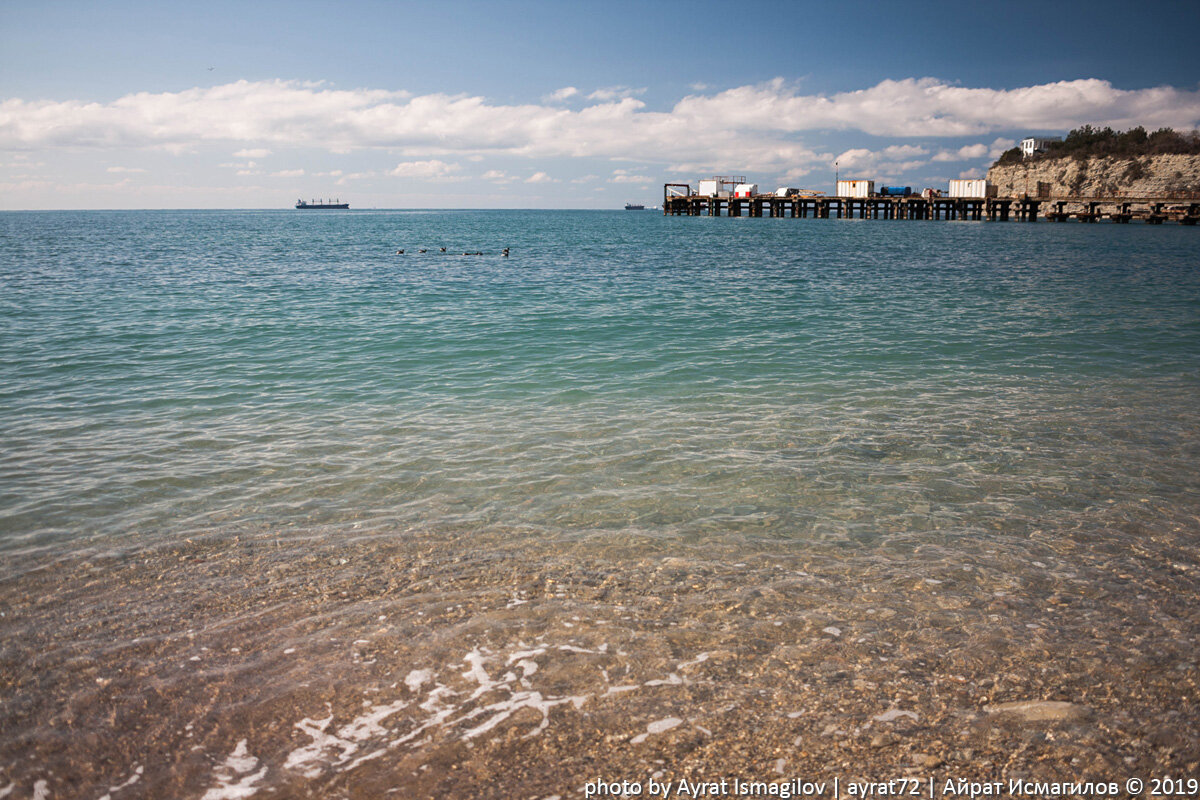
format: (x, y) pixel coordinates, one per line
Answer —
(634, 207)
(320, 204)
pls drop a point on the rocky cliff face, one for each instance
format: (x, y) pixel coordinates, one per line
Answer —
(1145, 176)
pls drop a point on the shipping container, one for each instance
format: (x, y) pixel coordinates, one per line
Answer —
(896, 191)
(745, 190)
(719, 185)
(971, 188)
(786, 191)
(855, 188)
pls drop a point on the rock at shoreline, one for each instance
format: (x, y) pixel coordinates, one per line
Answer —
(1041, 710)
(1141, 176)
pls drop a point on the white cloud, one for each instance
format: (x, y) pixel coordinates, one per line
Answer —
(968, 152)
(929, 107)
(353, 176)
(423, 169)
(540, 177)
(999, 146)
(560, 95)
(890, 169)
(905, 151)
(973, 152)
(497, 175)
(12, 187)
(257, 152)
(883, 164)
(790, 175)
(125, 169)
(624, 176)
(608, 94)
(859, 156)
(745, 129)
(288, 173)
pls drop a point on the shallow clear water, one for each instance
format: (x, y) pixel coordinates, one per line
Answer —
(260, 462)
(166, 372)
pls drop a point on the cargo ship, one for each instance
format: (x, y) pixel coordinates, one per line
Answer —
(634, 207)
(320, 204)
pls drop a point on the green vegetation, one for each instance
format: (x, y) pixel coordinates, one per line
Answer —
(1088, 142)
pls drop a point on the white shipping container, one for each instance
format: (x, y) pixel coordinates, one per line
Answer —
(745, 190)
(786, 191)
(971, 187)
(855, 188)
(710, 188)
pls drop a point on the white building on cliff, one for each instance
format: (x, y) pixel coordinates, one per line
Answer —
(1033, 144)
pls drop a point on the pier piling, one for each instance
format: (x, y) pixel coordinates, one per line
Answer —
(678, 200)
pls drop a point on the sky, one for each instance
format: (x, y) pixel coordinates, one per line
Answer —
(555, 104)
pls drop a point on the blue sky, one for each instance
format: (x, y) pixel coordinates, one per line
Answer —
(553, 105)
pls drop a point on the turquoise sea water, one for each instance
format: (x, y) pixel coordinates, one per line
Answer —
(285, 513)
(166, 373)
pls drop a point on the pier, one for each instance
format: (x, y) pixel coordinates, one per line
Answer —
(678, 200)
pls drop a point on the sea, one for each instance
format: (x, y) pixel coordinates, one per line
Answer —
(354, 504)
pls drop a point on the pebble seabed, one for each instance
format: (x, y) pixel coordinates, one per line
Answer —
(489, 666)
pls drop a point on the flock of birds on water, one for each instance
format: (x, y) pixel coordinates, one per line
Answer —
(503, 252)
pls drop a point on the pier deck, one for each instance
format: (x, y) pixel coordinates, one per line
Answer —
(1153, 210)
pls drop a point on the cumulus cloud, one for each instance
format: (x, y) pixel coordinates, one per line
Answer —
(624, 176)
(540, 177)
(423, 169)
(288, 173)
(965, 153)
(885, 163)
(559, 95)
(750, 128)
(497, 176)
(864, 158)
(929, 107)
(353, 176)
(998, 147)
(125, 169)
(607, 95)
(972, 152)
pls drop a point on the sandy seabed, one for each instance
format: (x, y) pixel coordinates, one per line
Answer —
(492, 666)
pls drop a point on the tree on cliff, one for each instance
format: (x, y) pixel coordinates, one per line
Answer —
(1088, 142)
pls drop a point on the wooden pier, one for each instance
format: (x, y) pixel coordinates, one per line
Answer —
(1153, 210)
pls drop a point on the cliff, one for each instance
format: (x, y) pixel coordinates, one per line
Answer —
(1105, 176)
